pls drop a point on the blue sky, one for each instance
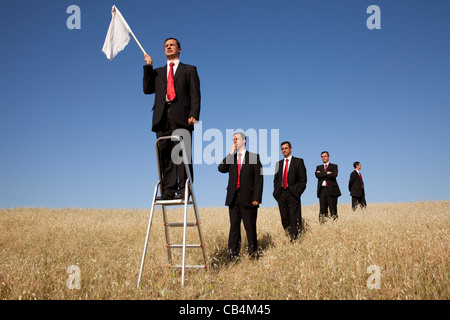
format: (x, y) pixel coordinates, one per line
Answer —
(75, 127)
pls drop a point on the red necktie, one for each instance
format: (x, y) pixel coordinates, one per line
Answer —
(285, 174)
(361, 179)
(239, 172)
(170, 85)
(326, 167)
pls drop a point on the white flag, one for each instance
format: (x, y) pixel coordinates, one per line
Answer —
(118, 34)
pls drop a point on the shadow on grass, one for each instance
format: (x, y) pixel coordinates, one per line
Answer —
(220, 257)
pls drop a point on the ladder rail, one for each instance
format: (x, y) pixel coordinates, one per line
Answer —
(197, 217)
(186, 194)
(166, 232)
(148, 232)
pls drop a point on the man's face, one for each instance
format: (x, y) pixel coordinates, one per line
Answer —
(171, 49)
(358, 166)
(325, 157)
(238, 141)
(286, 150)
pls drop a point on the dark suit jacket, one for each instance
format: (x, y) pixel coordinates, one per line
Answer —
(251, 180)
(332, 185)
(355, 185)
(187, 88)
(296, 178)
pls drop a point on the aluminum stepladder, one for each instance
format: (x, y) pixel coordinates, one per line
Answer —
(174, 202)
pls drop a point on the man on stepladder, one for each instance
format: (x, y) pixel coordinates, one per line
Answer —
(177, 106)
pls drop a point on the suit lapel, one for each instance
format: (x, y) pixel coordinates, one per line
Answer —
(180, 70)
(246, 162)
(291, 165)
(281, 169)
(164, 73)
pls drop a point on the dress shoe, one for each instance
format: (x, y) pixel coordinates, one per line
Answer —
(179, 197)
(180, 194)
(166, 197)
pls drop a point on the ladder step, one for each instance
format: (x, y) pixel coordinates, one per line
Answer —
(189, 224)
(201, 266)
(187, 245)
(172, 202)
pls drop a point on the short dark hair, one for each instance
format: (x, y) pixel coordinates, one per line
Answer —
(243, 137)
(178, 42)
(286, 142)
(355, 164)
(325, 152)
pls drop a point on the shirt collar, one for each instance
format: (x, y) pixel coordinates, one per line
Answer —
(176, 62)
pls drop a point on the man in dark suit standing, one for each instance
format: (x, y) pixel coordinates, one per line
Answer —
(177, 107)
(327, 187)
(288, 185)
(356, 187)
(244, 194)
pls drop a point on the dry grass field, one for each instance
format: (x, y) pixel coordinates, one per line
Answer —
(408, 242)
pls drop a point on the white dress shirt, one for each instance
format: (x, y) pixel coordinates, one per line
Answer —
(175, 66)
(242, 156)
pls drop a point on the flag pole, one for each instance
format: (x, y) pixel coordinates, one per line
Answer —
(129, 29)
(137, 42)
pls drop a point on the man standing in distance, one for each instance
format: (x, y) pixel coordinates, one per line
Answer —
(177, 106)
(356, 187)
(244, 194)
(327, 187)
(288, 185)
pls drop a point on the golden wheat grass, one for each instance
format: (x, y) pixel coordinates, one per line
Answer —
(407, 242)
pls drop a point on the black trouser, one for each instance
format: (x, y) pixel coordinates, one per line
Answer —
(173, 175)
(359, 200)
(290, 212)
(327, 202)
(238, 212)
